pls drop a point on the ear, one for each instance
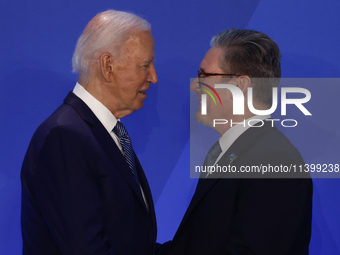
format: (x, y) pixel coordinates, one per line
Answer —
(106, 66)
(243, 83)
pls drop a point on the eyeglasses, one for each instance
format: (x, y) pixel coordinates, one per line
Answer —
(204, 75)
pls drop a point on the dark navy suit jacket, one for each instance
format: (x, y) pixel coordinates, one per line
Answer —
(78, 193)
(234, 216)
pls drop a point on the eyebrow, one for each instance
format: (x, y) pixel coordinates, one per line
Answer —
(149, 60)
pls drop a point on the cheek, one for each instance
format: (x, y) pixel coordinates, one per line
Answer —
(211, 104)
(138, 81)
(132, 86)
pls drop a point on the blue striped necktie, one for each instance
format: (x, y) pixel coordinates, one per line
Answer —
(212, 155)
(210, 159)
(125, 141)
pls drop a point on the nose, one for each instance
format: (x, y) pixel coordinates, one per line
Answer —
(194, 85)
(152, 74)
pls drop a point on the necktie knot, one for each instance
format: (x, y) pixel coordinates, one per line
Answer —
(120, 130)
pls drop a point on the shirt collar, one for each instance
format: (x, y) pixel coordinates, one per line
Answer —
(230, 136)
(103, 114)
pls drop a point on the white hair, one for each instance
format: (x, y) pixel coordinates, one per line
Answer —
(106, 32)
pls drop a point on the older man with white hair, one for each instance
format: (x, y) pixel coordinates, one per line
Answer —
(83, 188)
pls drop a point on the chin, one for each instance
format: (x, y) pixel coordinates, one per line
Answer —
(204, 119)
(139, 106)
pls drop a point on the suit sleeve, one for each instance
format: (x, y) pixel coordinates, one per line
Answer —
(272, 213)
(64, 184)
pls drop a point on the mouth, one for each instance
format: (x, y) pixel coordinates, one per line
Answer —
(142, 92)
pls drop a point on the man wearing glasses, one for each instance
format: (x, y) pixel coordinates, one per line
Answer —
(244, 215)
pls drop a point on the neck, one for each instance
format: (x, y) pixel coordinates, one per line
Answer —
(223, 127)
(99, 91)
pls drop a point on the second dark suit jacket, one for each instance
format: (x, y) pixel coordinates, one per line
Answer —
(239, 216)
(78, 193)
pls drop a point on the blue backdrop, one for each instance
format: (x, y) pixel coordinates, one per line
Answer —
(36, 46)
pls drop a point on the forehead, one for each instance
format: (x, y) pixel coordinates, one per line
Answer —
(141, 44)
(210, 62)
(141, 38)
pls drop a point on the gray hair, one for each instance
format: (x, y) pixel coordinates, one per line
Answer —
(252, 53)
(106, 32)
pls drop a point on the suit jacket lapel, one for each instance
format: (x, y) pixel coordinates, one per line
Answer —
(106, 141)
(230, 157)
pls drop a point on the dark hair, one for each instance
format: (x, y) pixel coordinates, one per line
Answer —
(252, 53)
